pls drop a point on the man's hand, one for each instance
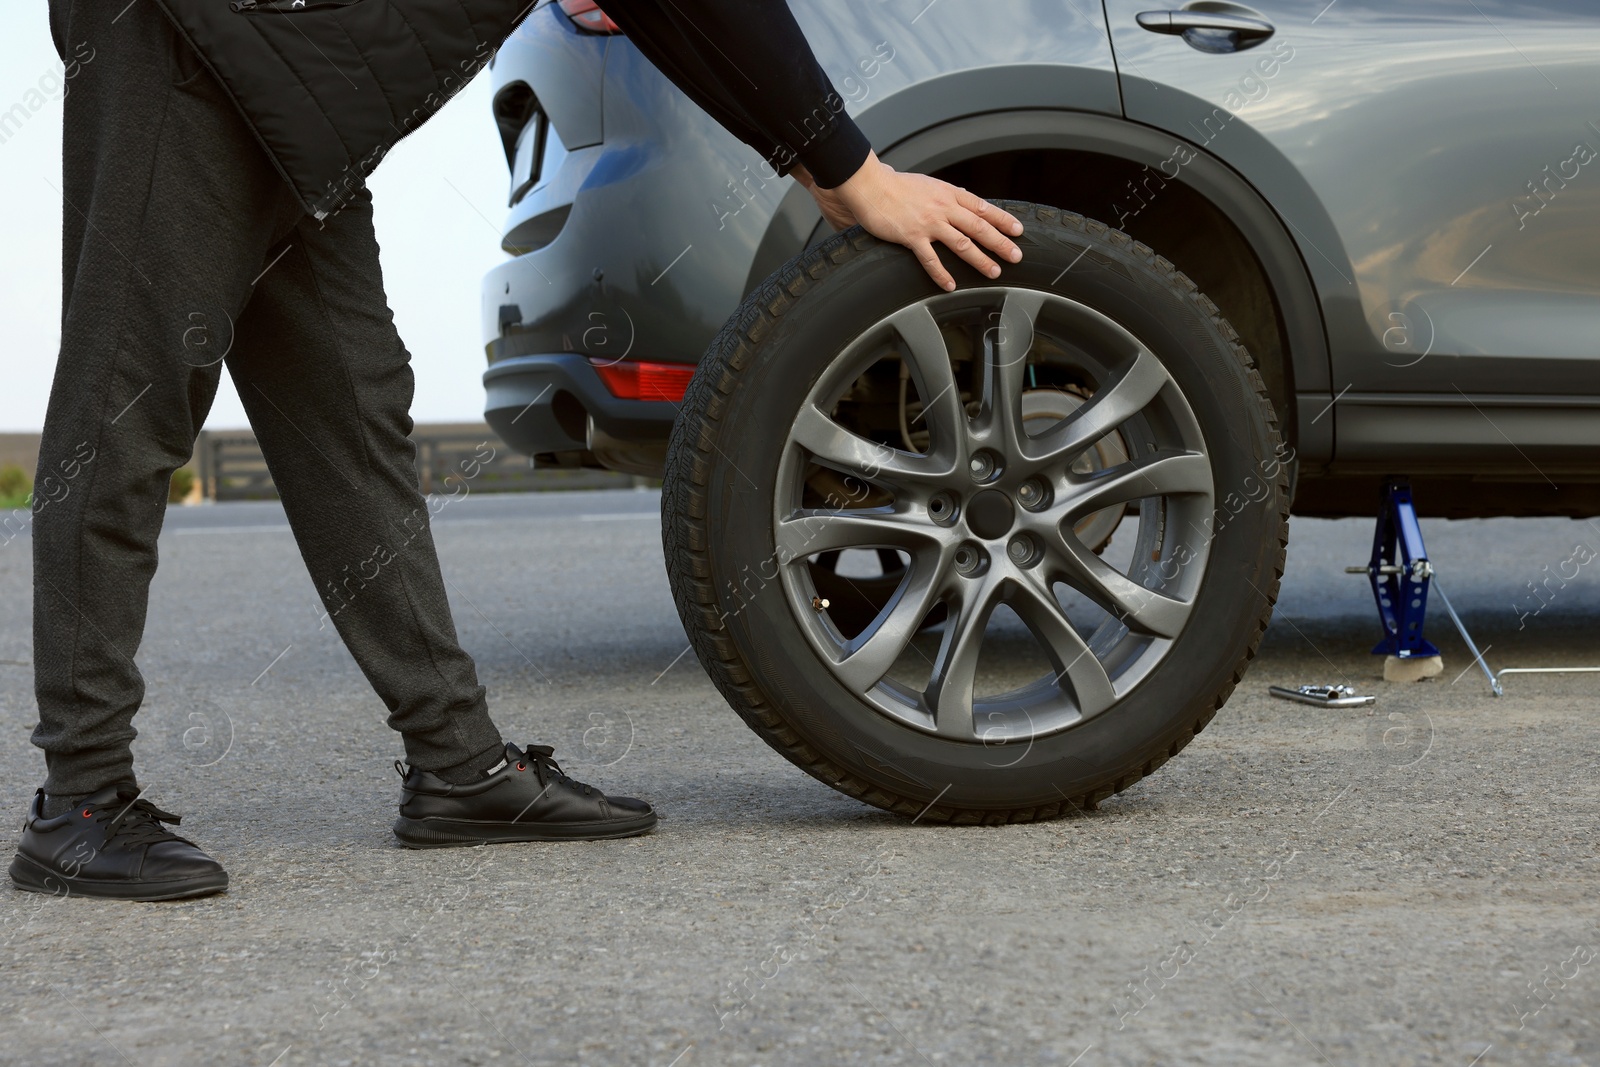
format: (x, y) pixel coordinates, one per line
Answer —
(915, 210)
(828, 202)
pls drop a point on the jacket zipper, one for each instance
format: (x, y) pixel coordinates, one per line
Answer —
(251, 6)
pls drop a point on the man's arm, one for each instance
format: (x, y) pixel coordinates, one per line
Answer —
(747, 64)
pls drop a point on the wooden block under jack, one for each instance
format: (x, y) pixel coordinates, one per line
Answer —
(1411, 668)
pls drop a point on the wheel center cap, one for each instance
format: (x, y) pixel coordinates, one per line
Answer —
(990, 514)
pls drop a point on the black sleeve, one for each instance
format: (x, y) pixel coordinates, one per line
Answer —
(748, 65)
(58, 29)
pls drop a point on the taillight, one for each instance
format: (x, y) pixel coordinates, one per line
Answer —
(637, 380)
(587, 16)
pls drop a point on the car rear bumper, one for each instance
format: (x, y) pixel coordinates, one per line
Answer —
(542, 404)
(632, 246)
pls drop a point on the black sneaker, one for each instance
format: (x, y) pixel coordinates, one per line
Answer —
(112, 845)
(528, 799)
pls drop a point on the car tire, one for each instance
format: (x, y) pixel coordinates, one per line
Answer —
(1181, 621)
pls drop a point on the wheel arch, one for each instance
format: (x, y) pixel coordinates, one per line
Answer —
(1302, 355)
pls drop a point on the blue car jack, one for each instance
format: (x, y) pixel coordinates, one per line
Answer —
(1402, 578)
(1400, 574)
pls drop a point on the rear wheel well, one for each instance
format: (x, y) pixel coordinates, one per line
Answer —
(1164, 213)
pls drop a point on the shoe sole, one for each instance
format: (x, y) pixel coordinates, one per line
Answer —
(455, 833)
(34, 877)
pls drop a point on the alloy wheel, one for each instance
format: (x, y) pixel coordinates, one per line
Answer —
(994, 508)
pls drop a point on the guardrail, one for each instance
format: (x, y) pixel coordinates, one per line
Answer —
(232, 467)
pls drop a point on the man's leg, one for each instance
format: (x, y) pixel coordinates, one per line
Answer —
(169, 208)
(182, 244)
(327, 383)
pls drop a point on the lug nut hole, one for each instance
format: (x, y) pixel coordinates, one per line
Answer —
(1023, 550)
(969, 560)
(1033, 494)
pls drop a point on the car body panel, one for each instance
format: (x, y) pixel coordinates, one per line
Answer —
(564, 67)
(1401, 140)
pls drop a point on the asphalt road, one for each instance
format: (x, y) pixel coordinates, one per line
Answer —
(1413, 883)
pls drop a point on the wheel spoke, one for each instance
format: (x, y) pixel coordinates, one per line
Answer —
(869, 657)
(1110, 406)
(949, 691)
(928, 357)
(1070, 656)
(851, 453)
(1006, 348)
(814, 531)
(1143, 610)
(1161, 474)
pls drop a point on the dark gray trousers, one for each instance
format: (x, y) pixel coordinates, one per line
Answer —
(183, 251)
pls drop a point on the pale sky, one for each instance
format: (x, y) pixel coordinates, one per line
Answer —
(437, 241)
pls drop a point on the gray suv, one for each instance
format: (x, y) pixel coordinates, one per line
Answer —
(1290, 250)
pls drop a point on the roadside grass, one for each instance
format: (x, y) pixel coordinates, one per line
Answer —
(16, 488)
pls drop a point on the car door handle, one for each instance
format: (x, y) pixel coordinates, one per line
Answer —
(1177, 22)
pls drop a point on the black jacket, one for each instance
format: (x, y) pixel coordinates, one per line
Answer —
(329, 86)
